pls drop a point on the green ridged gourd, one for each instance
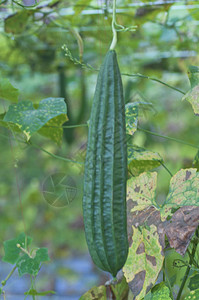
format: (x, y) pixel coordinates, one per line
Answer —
(104, 199)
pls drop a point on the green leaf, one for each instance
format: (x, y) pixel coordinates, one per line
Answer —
(120, 290)
(8, 91)
(144, 261)
(159, 292)
(33, 292)
(13, 127)
(193, 295)
(12, 252)
(193, 94)
(141, 160)
(183, 191)
(193, 74)
(142, 191)
(131, 112)
(194, 282)
(29, 119)
(193, 97)
(16, 23)
(53, 129)
(98, 293)
(1, 291)
(31, 265)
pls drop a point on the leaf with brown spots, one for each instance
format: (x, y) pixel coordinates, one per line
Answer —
(142, 160)
(118, 290)
(144, 261)
(184, 191)
(141, 191)
(96, 293)
(181, 228)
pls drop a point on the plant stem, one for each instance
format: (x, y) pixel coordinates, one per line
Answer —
(79, 42)
(68, 126)
(114, 41)
(168, 138)
(54, 155)
(155, 79)
(188, 268)
(9, 275)
(166, 168)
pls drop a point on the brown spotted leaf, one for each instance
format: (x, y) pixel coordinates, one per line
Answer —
(141, 160)
(96, 293)
(184, 191)
(181, 228)
(144, 261)
(142, 191)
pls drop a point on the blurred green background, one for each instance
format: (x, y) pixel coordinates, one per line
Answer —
(164, 44)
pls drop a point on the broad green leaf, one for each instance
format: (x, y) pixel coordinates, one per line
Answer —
(53, 129)
(1, 291)
(17, 22)
(142, 191)
(12, 252)
(194, 282)
(29, 119)
(159, 292)
(131, 112)
(193, 94)
(31, 265)
(35, 293)
(194, 295)
(98, 293)
(142, 160)
(144, 261)
(8, 91)
(183, 191)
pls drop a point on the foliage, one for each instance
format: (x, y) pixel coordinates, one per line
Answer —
(153, 60)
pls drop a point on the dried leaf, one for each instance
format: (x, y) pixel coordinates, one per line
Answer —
(181, 228)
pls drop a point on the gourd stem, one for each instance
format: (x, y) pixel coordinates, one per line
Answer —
(114, 41)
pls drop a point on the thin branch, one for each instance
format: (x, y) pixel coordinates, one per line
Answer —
(54, 155)
(168, 138)
(154, 79)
